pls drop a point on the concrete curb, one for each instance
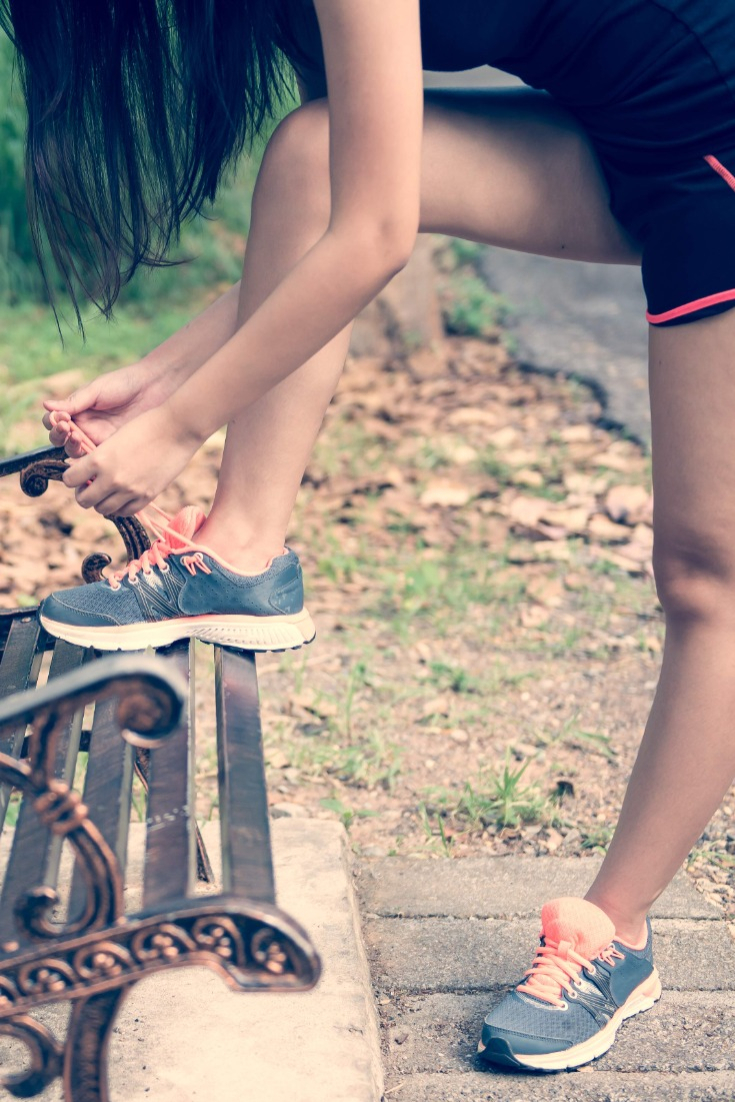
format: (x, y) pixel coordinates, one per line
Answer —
(204, 1042)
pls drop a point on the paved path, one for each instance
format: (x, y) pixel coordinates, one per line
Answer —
(567, 316)
(447, 938)
(588, 319)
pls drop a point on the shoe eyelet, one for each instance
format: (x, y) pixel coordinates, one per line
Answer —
(591, 971)
(564, 1005)
(572, 995)
(165, 569)
(134, 581)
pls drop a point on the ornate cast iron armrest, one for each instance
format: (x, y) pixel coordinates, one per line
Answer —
(15, 463)
(152, 698)
(44, 465)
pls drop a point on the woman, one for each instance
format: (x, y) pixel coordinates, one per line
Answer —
(626, 157)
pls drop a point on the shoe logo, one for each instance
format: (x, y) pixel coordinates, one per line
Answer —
(158, 594)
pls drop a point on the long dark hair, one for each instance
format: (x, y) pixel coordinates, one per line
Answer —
(136, 108)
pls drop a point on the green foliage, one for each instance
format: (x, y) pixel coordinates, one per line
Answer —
(18, 277)
(471, 308)
(499, 799)
(347, 815)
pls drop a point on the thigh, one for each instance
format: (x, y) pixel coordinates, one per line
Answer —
(503, 167)
(692, 391)
(513, 168)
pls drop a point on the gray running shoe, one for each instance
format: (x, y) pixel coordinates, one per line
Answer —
(581, 986)
(180, 589)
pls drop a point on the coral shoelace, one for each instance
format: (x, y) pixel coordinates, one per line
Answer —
(556, 966)
(154, 518)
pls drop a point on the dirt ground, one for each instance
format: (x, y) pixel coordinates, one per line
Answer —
(477, 559)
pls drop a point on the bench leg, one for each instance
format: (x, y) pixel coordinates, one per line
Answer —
(85, 1060)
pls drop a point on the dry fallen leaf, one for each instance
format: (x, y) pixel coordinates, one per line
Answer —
(547, 591)
(603, 528)
(451, 494)
(624, 501)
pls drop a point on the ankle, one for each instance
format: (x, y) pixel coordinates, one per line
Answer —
(248, 554)
(630, 926)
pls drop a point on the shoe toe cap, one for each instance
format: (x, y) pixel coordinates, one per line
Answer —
(529, 1028)
(503, 1044)
(83, 607)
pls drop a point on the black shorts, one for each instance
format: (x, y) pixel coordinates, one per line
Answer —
(653, 85)
(652, 82)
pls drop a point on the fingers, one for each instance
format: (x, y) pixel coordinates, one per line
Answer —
(78, 402)
(93, 491)
(62, 435)
(80, 472)
(118, 505)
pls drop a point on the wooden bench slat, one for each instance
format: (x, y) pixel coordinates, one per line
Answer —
(19, 668)
(247, 866)
(107, 791)
(169, 857)
(34, 858)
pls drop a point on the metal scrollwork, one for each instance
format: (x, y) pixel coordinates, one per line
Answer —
(51, 976)
(166, 942)
(62, 811)
(46, 1055)
(150, 706)
(271, 952)
(249, 950)
(34, 480)
(219, 935)
(94, 565)
(103, 961)
(9, 993)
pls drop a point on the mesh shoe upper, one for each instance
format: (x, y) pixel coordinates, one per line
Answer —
(531, 1024)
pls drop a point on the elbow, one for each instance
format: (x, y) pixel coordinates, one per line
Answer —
(396, 244)
(384, 247)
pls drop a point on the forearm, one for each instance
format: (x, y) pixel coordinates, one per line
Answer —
(320, 296)
(197, 341)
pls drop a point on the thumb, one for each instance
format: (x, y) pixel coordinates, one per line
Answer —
(81, 399)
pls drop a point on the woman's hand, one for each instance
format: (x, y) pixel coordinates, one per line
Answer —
(101, 407)
(126, 471)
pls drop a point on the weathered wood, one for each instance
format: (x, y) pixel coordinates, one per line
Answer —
(169, 853)
(107, 792)
(34, 857)
(247, 865)
(19, 667)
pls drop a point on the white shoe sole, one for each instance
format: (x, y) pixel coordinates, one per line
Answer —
(642, 998)
(257, 633)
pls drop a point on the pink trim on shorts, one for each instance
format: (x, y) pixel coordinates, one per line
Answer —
(710, 300)
(720, 169)
(691, 307)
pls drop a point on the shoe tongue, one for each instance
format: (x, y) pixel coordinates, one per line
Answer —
(187, 522)
(579, 922)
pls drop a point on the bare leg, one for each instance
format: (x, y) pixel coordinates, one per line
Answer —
(686, 762)
(510, 169)
(514, 171)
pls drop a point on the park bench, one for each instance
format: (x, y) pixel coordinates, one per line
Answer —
(129, 713)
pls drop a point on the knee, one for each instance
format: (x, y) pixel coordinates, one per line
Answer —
(295, 166)
(694, 569)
